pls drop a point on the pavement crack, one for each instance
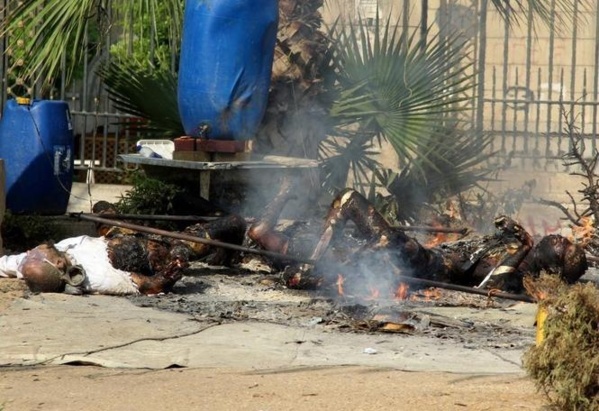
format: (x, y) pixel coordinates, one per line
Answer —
(126, 344)
(502, 358)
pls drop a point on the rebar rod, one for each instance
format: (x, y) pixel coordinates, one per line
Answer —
(471, 290)
(196, 218)
(191, 238)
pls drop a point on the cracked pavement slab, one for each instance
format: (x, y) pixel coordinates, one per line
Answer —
(114, 332)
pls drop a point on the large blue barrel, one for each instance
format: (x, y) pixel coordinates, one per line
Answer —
(36, 143)
(225, 66)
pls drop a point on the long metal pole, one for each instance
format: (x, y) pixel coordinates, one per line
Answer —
(278, 256)
(195, 218)
(187, 237)
(455, 287)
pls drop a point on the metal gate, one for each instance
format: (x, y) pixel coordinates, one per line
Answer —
(533, 80)
(539, 83)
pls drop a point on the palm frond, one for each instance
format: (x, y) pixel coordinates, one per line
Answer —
(343, 157)
(455, 162)
(54, 31)
(395, 88)
(146, 93)
(557, 14)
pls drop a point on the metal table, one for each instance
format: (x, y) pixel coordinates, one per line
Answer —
(205, 168)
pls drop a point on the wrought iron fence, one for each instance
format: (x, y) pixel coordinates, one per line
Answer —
(538, 81)
(532, 80)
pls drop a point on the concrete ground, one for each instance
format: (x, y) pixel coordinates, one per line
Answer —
(110, 331)
(61, 352)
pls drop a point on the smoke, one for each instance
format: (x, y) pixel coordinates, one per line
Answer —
(364, 274)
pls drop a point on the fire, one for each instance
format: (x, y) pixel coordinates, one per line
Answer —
(584, 232)
(450, 213)
(340, 281)
(428, 294)
(436, 240)
(371, 292)
(374, 294)
(402, 291)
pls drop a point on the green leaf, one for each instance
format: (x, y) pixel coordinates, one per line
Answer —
(54, 31)
(146, 93)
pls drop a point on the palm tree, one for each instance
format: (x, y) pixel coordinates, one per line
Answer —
(294, 122)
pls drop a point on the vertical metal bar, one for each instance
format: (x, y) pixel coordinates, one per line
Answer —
(108, 156)
(105, 142)
(475, 41)
(153, 35)
(536, 151)
(550, 67)
(515, 110)
(529, 41)
(106, 126)
(493, 96)
(405, 16)
(583, 105)
(444, 20)
(83, 107)
(63, 76)
(561, 108)
(596, 79)
(506, 54)
(423, 23)
(493, 103)
(573, 62)
(482, 46)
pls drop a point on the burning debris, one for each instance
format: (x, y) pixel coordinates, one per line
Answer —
(386, 254)
(355, 253)
(374, 260)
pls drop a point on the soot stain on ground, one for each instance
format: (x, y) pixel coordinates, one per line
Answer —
(223, 294)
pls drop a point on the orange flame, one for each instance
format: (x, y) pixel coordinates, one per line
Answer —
(583, 233)
(340, 281)
(428, 294)
(374, 293)
(436, 240)
(402, 291)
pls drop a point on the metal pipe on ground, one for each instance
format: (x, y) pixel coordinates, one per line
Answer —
(471, 290)
(195, 218)
(283, 257)
(187, 237)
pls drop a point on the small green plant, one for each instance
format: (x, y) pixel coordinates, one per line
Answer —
(148, 196)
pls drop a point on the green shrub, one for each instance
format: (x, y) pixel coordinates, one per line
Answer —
(565, 365)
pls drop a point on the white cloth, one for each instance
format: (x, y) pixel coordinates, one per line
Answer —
(89, 252)
(9, 265)
(101, 277)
